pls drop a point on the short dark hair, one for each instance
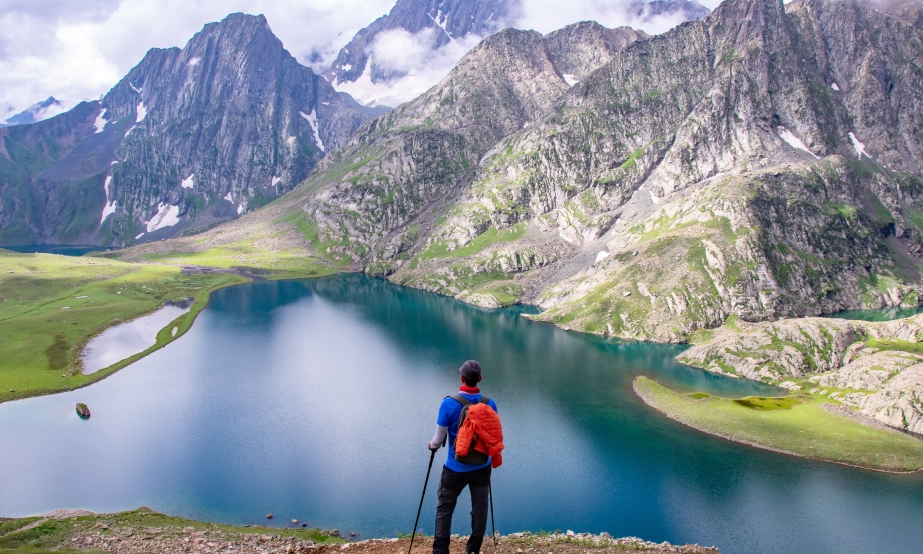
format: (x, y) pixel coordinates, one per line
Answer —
(470, 372)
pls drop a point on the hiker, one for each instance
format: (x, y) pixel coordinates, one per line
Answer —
(480, 440)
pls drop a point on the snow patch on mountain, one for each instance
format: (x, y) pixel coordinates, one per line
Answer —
(312, 119)
(793, 141)
(141, 111)
(100, 122)
(109, 208)
(166, 216)
(188, 182)
(859, 146)
(571, 80)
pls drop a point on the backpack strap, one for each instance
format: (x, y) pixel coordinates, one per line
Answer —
(460, 399)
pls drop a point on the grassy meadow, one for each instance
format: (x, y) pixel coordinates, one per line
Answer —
(50, 306)
(795, 424)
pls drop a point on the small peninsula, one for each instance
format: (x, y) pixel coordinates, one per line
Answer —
(855, 389)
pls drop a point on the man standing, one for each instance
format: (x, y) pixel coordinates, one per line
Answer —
(472, 470)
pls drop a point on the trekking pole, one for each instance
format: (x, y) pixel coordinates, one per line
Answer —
(432, 454)
(493, 530)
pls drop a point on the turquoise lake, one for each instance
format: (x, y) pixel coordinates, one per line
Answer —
(314, 400)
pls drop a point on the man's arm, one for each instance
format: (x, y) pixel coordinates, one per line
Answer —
(438, 438)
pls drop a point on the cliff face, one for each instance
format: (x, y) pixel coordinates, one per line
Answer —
(188, 138)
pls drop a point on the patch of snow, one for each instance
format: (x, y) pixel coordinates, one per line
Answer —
(142, 112)
(860, 148)
(136, 238)
(325, 103)
(835, 87)
(240, 209)
(275, 180)
(312, 119)
(568, 239)
(188, 182)
(346, 66)
(166, 216)
(441, 20)
(65, 307)
(136, 89)
(601, 256)
(109, 208)
(571, 80)
(81, 297)
(229, 198)
(654, 199)
(793, 141)
(130, 129)
(114, 162)
(194, 62)
(100, 122)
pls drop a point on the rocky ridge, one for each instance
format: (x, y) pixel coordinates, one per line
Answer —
(873, 367)
(435, 24)
(762, 163)
(188, 138)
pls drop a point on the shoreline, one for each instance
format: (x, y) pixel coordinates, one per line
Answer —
(650, 403)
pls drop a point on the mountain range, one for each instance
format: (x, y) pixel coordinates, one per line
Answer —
(196, 136)
(422, 33)
(763, 162)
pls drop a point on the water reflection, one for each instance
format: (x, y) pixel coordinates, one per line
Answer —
(127, 339)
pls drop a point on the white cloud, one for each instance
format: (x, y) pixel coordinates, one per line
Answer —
(399, 50)
(549, 15)
(79, 50)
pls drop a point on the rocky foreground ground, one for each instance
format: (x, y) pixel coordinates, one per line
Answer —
(144, 531)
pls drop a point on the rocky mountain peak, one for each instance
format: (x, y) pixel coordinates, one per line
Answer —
(189, 137)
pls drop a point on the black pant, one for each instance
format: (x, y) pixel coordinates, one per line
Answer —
(450, 486)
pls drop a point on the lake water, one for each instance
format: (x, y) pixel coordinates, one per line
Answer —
(124, 341)
(60, 249)
(314, 400)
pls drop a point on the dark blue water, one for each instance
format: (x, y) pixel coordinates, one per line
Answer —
(314, 400)
(60, 249)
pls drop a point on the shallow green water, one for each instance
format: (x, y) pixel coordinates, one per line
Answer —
(314, 399)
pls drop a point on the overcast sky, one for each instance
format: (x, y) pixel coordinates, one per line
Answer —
(78, 49)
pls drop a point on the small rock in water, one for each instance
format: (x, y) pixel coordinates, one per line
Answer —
(352, 533)
(304, 524)
(268, 516)
(294, 521)
(83, 411)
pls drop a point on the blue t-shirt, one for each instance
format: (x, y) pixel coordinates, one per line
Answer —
(449, 411)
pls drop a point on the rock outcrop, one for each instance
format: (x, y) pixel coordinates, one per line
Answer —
(876, 368)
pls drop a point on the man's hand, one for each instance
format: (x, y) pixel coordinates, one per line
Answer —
(431, 447)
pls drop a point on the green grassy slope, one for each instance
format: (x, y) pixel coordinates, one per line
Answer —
(793, 424)
(50, 306)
